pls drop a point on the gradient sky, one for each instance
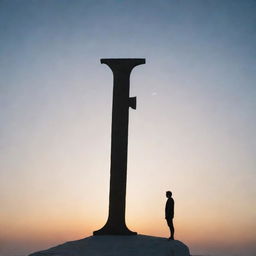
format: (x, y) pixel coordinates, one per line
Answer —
(193, 131)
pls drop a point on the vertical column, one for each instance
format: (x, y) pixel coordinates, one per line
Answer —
(121, 69)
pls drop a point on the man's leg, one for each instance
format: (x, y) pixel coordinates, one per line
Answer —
(172, 231)
(170, 224)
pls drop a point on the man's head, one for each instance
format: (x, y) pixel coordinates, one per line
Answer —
(168, 194)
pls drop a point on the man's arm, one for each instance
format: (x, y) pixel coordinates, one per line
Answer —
(172, 208)
(167, 208)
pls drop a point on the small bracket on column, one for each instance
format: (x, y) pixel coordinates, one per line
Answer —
(133, 102)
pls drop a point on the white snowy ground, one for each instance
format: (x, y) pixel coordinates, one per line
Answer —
(139, 245)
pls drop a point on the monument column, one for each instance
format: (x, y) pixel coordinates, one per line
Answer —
(121, 69)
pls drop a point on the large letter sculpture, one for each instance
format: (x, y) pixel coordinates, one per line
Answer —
(121, 69)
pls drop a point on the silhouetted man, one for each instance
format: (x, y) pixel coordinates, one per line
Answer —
(169, 213)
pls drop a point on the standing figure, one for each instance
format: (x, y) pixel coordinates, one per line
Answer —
(169, 213)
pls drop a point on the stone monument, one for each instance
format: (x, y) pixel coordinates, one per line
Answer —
(121, 69)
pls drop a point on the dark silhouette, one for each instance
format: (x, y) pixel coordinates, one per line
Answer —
(169, 213)
(121, 69)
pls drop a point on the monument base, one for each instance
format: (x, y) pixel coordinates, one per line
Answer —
(109, 229)
(104, 232)
(139, 245)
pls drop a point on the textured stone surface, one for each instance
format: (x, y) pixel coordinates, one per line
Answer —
(139, 245)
